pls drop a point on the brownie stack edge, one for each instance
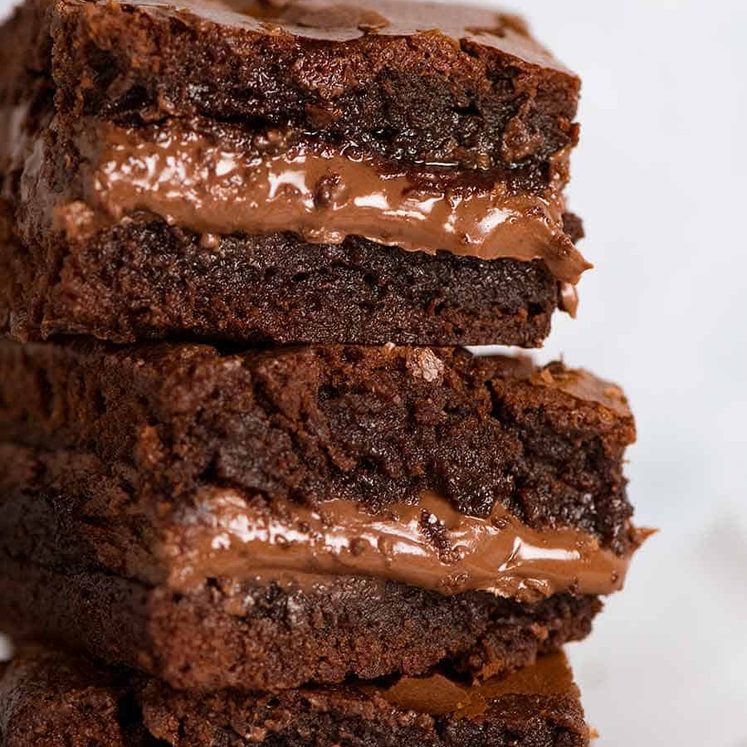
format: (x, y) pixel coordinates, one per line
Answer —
(253, 488)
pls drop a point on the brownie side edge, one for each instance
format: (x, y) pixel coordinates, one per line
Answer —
(52, 695)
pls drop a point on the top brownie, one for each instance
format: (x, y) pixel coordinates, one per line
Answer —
(425, 83)
(283, 172)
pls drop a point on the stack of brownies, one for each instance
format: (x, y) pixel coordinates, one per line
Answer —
(252, 491)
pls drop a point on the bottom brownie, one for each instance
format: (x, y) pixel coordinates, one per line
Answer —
(257, 636)
(48, 699)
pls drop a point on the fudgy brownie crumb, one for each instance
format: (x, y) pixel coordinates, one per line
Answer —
(480, 91)
(146, 280)
(373, 425)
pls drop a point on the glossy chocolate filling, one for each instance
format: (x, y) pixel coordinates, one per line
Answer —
(322, 193)
(429, 545)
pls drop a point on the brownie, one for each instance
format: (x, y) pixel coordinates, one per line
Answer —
(49, 699)
(146, 280)
(263, 519)
(283, 174)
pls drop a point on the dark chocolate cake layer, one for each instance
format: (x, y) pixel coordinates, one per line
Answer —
(48, 699)
(146, 280)
(274, 636)
(465, 86)
(377, 426)
(265, 213)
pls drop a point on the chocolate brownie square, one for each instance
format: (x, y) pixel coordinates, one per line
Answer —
(267, 518)
(258, 173)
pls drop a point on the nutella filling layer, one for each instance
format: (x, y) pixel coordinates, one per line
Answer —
(430, 545)
(321, 193)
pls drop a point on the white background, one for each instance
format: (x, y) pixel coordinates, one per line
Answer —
(660, 181)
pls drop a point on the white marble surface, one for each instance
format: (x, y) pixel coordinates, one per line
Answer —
(660, 181)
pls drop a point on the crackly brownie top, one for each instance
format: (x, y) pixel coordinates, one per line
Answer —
(332, 21)
(424, 83)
